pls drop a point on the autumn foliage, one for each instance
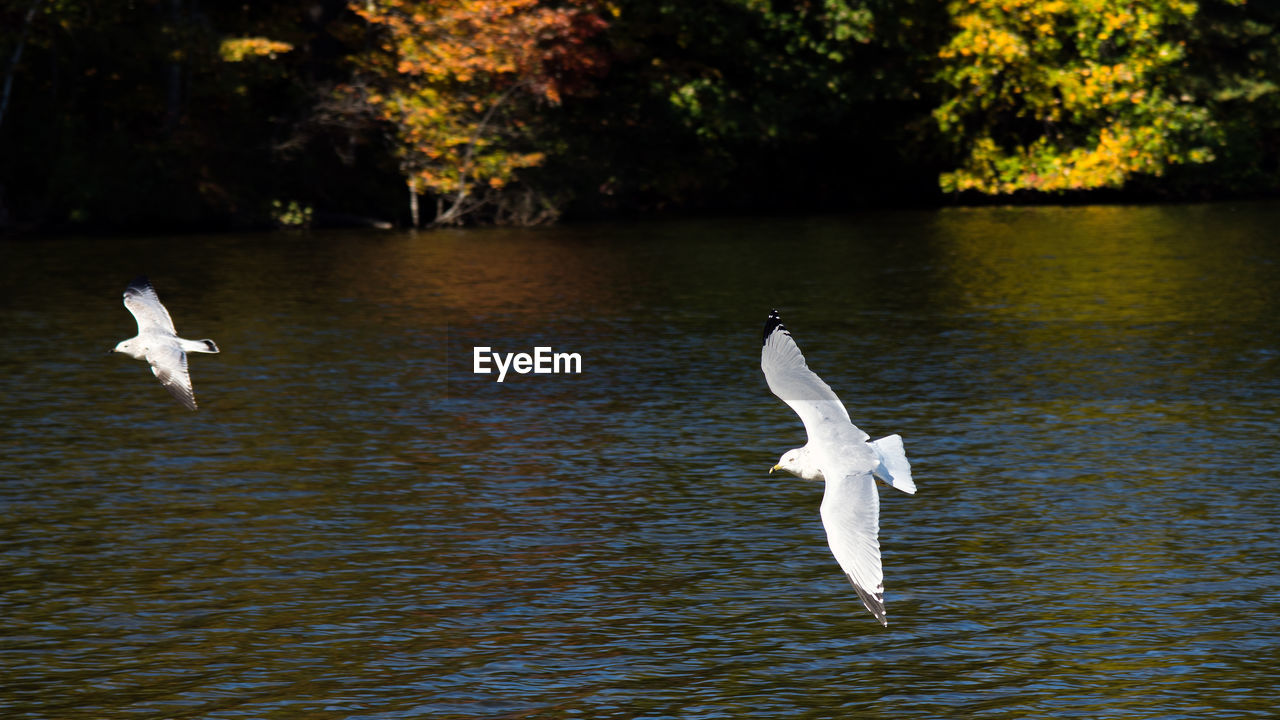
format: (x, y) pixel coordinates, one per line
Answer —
(1054, 95)
(456, 78)
(229, 115)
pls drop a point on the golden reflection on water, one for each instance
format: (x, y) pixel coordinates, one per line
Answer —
(486, 273)
(1097, 264)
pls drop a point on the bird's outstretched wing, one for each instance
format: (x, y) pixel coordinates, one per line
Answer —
(851, 516)
(141, 300)
(169, 364)
(791, 380)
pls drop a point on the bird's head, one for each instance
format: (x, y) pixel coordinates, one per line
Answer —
(131, 348)
(798, 463)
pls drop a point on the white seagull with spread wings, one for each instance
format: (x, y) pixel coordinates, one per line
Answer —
(158, 343)
(841, 454)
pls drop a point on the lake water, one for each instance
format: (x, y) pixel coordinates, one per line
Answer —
(355, 525)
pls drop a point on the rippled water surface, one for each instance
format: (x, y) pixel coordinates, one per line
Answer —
(356, 525)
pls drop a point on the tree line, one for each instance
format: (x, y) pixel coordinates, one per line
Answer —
(171, 114)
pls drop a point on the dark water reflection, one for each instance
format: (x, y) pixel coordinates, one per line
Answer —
(356, 526)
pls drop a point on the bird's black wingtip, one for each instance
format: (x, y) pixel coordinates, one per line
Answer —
(874, 602)
(774, 322)
(139, 283)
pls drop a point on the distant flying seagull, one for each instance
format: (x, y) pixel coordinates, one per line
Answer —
(158, 343)
(841, 454)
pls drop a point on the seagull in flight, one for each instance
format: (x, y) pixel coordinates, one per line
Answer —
(843, 456)
(158, 343)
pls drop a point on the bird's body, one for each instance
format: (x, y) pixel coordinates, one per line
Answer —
(842, 456)
(158, 343)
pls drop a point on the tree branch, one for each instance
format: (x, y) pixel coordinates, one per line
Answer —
(455, 211)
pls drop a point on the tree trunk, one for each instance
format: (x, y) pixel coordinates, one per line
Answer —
(173, 96)
(17, 57)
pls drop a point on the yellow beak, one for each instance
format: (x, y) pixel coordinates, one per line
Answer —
(775, 467)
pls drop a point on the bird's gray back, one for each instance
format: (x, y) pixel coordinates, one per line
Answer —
(844, 448)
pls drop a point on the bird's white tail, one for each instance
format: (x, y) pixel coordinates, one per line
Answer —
(893, 468)
(204, 346)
